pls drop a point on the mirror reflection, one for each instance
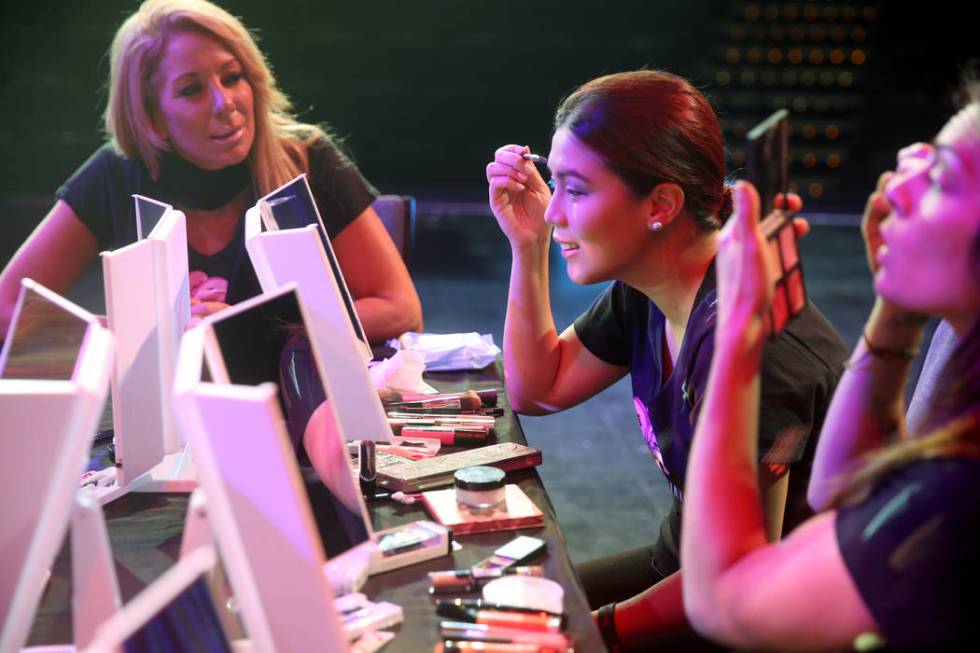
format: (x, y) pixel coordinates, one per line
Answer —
(44, 342)
(268, 343)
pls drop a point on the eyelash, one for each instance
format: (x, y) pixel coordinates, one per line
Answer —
(553, 185)
(939, 176)
(229, 79)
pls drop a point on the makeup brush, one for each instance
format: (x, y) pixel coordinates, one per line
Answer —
(468, 400)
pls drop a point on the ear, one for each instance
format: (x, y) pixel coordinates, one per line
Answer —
(666, 202)
(158, 125)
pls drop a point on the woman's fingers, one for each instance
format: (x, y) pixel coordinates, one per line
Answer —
(746, 203)
(203, 309)
(801, 226)
(497, 169)
(790, 202)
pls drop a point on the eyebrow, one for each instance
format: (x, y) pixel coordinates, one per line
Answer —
(233, 61)
(563, 174)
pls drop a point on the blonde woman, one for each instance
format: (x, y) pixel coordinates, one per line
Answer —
(194, 119)
(892, 557)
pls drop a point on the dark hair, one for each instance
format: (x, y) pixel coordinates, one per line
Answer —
(651, 127)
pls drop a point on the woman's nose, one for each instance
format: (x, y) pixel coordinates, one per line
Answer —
(222, 101)
(904, 188)
(553, 214)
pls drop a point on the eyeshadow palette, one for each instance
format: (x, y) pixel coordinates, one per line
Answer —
(789, 296)
(767, 161)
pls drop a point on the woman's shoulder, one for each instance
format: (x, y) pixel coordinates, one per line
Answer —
(925, 486)
(811, 342)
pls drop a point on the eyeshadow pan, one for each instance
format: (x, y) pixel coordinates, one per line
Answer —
(797, 292)
(780, 309)
(775, 268)
(787, 243)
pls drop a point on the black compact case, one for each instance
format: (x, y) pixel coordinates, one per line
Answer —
(767, 160)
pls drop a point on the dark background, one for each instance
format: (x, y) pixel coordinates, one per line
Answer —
(423, 91)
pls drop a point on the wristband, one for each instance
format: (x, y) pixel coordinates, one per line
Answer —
(606, 621)
(889, 353)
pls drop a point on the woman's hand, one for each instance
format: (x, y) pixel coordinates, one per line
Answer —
(207, 296)
(518, 196)
(875, 212)
(744, 271)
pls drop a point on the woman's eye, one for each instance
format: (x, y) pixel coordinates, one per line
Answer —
(940, 176)
(233, 78)
(189, 90)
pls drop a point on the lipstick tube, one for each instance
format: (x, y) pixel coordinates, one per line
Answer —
(461, 581)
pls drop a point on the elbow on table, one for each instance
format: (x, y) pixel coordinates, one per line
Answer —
(410, 316)
(818, 495)
(524, 404)
(400, 316)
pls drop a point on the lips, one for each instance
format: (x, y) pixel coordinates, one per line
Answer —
(228, 135)
(566, 245)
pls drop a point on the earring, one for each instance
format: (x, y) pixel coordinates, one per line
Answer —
(656, 225)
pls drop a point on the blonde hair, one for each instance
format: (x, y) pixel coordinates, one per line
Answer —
(279, 151)
(952, 426)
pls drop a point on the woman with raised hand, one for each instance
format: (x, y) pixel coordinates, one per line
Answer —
(893, 554)
(637, 162)
(195, 119)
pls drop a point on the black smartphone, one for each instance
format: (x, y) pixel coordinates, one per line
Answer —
(767, 160)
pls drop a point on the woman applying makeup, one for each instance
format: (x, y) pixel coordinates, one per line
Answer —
(195, 119)
(893, 554)
(638, 166)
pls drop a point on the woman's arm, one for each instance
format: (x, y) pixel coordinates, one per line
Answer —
(738, 588)
(55, 255)
(544, 371)
(384, 295)
(868, 406)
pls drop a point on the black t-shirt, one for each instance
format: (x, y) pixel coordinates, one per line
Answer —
(912, 548)
(800, 370)
(100, 193)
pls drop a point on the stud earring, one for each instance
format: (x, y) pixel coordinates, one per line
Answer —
(656, 225)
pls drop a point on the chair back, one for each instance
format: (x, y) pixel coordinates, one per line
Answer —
(397, 213)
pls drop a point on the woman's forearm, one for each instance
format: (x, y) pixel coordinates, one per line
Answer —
(868, 405)
(531, 344)
(722, 501)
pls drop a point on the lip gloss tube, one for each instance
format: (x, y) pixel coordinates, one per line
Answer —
(470, 418)
(464, 646)
(487, 397)
(448, 436)
(538, 621)
(480, 604)
(483, 632)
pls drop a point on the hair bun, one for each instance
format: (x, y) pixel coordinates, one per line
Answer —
(727, 204)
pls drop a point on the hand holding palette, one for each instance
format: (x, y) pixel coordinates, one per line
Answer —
(786, 270)
(767, 159)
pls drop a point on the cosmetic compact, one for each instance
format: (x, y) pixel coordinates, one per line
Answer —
(480, 487)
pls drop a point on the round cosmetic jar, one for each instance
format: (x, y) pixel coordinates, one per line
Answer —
(480, 487)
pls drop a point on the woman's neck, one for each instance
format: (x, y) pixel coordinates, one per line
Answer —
(672, 276)
(211, 230)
